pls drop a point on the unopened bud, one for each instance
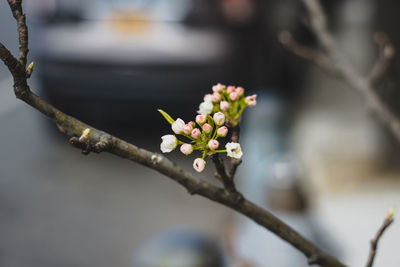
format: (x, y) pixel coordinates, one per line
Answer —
(187, 129)
(207, 128)
(390, 214)
(186, 149)
(240, 91)
(196, 133)
(224, 105)
(29, 70)
(234, 96)
(218, 87)
(222, 132)
(201, 119)
(219, 118)
(215, 97)
(85, 135)
(230, 89)
(213, 144)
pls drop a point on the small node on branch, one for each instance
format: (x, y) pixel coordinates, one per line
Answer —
(79, 143)
(85, 135)
(390, 214)
(237, 197)
(156, 158)
(386, 54)
(83, 142)
(313, 259)
(101, 146)
(29, 70)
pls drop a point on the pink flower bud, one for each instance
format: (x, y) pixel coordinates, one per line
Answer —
(201, 119)
(224, 105)
(215, 97)
(187, 149)
(251, 100)
(213, 144)
(240, 90)
(192, 123)
(218, 87)
(208, 98)
(196, 133)
(230, 89)
(222, 132)
(207, 128)
(199, 164)
(219, 118)
(187, 129)
(233, 96)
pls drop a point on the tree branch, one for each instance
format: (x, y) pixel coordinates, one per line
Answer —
(374, 243)
(346, 70)
(16, 9)
(9, 60)
(228, 176)
(74, 128)
(90, 139)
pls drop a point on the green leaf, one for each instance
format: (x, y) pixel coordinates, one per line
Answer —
(166, 116)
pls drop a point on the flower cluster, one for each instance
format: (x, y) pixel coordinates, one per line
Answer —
(221, 109)
(229, 100)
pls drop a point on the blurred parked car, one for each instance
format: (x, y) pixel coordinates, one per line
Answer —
(113, 61)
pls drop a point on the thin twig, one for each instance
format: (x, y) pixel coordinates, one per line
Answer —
(364, 85)
(75, 128)
(386, 54)
(16, 9)
(9, 60)
(374, 243)
(308, 53)
(346, 69)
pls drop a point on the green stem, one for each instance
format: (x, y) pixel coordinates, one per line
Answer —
(189, 137)
(180, 142)
(215, 132)
(242, 107)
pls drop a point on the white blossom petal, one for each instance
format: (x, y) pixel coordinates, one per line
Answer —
(205, 108)
(178, 126)
(169, 143)
(234, 150)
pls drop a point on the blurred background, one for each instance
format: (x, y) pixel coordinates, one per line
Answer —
(313, 154)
